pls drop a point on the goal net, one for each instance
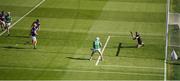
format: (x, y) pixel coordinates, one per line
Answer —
(174, 43)
(174, 32)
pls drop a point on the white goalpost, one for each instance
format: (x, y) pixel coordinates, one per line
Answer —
(167, 33)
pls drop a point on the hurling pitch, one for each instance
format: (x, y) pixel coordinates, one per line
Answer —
(68, 29)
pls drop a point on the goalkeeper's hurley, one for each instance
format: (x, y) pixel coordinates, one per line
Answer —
(96, 48)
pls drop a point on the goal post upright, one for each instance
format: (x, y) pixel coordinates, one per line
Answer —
(167, 38)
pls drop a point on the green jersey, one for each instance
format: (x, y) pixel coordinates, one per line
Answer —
(8, 19)
(96, 44)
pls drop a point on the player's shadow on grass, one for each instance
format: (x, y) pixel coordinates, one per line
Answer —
(77, 58)
(13, 47)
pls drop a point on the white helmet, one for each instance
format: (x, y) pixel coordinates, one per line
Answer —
(9, 13)
(97, 38)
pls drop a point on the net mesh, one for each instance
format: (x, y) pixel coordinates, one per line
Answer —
(174, 41)
(174, 30)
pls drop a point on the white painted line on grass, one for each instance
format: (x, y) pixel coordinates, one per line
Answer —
(97, 62)
(24, 16)
(79, 71)
(158, 68)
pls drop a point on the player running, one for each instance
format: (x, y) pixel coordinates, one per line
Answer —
(8, 20)
(37, 23)
(2, 20)
(138, 38)
(96, 48)
(33, 34)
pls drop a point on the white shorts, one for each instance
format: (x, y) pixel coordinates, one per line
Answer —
(34, 38)
(2, 22)
(8, 24)
(97, 50)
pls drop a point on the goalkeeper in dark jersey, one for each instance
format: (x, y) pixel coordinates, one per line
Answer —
(97, 48)
(139, 39)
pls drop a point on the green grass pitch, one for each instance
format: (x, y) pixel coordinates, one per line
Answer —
(68, 28)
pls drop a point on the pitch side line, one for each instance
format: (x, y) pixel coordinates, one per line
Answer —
(97, 62)
(85, 71)
(24, 16)
(133, 67)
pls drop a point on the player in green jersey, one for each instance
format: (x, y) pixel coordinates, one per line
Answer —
(97, 48)
(8, 20)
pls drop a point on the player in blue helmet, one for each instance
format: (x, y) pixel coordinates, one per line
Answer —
(33, 34)
(96, 48)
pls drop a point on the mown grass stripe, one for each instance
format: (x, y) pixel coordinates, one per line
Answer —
(112, 6)
(63, 13)
(135, 1)
(80, 71)
(138, 67)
